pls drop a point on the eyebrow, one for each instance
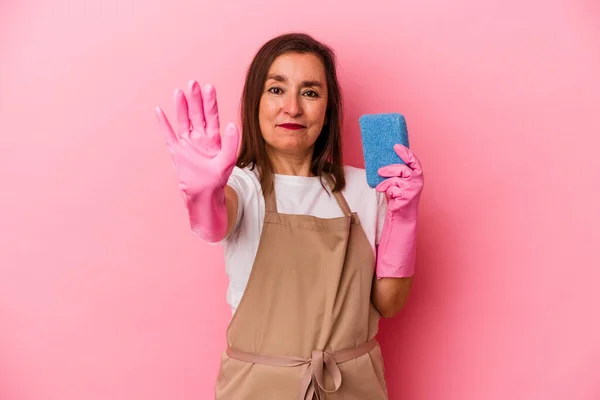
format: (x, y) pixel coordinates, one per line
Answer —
(281, 78)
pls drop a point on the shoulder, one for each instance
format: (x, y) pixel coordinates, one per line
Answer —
(358, 187)
(245, 173)
(349, 170)
(246, 184)
(243, 178)
(356, 183)
(356, 178)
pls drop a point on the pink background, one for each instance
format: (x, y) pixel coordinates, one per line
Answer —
(105, 293)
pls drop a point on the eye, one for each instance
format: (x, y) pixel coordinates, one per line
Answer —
(275, 90)
(311, 93)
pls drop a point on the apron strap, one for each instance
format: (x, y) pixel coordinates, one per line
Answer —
(312, 383)
(271, 201)
(339, 197)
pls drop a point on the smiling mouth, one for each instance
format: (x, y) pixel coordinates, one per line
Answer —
(293, 127)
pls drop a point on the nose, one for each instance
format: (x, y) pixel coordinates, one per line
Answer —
(292, 105)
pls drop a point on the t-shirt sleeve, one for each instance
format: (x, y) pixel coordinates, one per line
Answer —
(381, 213)
(239, 182)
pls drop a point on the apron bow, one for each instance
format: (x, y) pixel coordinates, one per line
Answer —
(312, 385)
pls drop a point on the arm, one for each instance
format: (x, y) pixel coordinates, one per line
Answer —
(231, 201)
(389, 295)
(396, 252)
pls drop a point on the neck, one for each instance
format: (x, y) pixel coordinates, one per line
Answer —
(297, 164)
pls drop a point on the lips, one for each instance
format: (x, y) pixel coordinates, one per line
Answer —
(293, 127)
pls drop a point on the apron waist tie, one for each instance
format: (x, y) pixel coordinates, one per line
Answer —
(312, 384)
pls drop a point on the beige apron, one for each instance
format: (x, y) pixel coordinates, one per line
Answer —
(305, 326)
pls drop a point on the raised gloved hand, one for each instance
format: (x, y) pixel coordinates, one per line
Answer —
(398, 243)
(203, 159)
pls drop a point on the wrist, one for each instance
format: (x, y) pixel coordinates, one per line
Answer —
(207, 213)
(396, 252)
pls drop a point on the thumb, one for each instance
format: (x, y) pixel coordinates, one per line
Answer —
(229, 144)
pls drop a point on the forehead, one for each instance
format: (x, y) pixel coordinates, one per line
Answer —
(297, 66)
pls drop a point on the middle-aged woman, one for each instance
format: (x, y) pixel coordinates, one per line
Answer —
(314, 255)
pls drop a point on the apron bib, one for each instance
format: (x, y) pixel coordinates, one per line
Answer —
(305, 326)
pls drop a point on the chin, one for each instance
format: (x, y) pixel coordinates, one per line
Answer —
(290, 146)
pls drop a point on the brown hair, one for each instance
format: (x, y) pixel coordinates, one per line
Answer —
(327, 155)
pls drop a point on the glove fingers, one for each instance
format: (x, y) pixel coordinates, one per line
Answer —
(183, 119)
(409, 158)
(211, 112)
(394, 192)
(196, 108)
(230, 142)
(395, 170)
(385, 185)
(165, 126)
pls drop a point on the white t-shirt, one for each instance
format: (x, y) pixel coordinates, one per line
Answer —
(295, 195)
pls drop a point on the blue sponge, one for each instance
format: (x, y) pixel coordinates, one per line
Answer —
(379, 133)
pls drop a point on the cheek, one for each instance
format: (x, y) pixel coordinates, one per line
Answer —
(267, 115)
(318, 112)
(268, 108)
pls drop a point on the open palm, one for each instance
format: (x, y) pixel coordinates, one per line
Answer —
(202, 158)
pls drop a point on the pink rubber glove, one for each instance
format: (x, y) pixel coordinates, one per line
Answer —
(398, 244)
(203, 160)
